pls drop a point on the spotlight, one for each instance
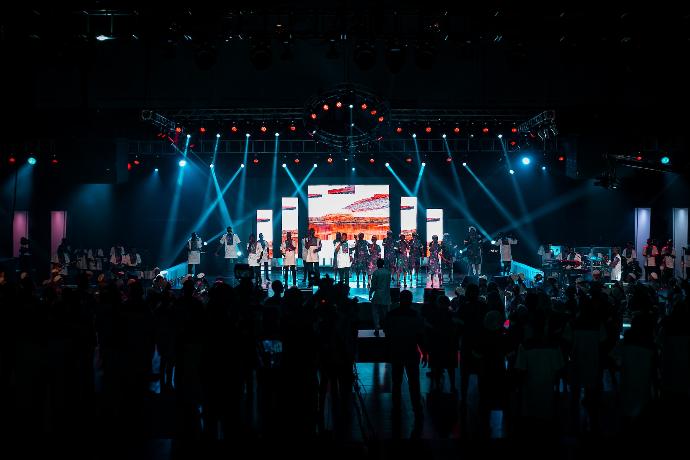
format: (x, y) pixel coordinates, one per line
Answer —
(129, 166)
(464, 163)
(217, 134)
(638, 157)
(263, 129)
(178, 130)
(387, 165)
(513, 130)
(511, 171)
(543, 168)
(353, 169)
(398, 130)
(31, 161)
(512, 143)
(202, 130)
(500, 136)
(350, 106)
(188, 136)
(561, 158)
(665, 160)
(414, 135)
(242, 165)
(211, 166)
(11, 160)
(54, 161)
(284, 165)
(247, 135)
(485, 130)
(449, 159)
(313, 116)
(296, 160)
(427, 129)
(233, 129)
(182, 163)
(373, 112)
(338, 105)
(277, 134)
(330, 160)
(364, 106)
(371, 160)
(423, 163)
(493, 241)
(315, 165)
(293, 128)
(325, 107)
(255, 161)
(380, 119)
(456, 130)
(155, 169)
(137, 162)
(525, 161)
(408, 160)
(443, 136)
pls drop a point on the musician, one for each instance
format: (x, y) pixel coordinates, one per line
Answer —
(229, 242)
(63, 256)
(546, 254)
(402, 260)
(668, 261)
(434, 268)
(305, 251)
(117, 253)
(313, 249)
(389, 251)
(289, 252)
(132, 259)
(416, 253)
(474, 251)
(373, 254)
(265, 256)
(338, 236)
(573, 256)
(343, 259)
(505, 244)
(254, 255)
(616, 265)
(194, 246)
(629, 258)
(650, 252)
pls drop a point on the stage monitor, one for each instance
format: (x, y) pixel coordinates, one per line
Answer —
(352, 209)
(408, 215)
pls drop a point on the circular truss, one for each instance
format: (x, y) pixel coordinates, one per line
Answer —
(346, 117)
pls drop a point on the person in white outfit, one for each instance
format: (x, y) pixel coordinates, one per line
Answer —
(265, 256)
(342, 253)
(313, 249)
(254, 255)
(505, 243)
(616, 265)
(288, 249)
(194, 245)
(229, 242)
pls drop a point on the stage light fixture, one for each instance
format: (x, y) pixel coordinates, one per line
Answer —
(136, 162)
(31, 160)
(456, 130)
(427, 129)
(255, 161)
(543, 168)
(665, 160)
(423, 163)
(408, 160)
(129, 166)
(155, 169)
(330, 160)
(217, 135)
(293, 128)
(263, 129)
(525, 161)
(233, 129)
(380, 119)
(371, 160)
(638, 157)
(493, 241)
(414, 135)
(512, 143)
(54, 161)
(296, 160)
(284, 165)
(398, 130)
(247, 135)
(313, 116)
(211, 166)
(350, 106)
(188, 136)
(325, 107)
(485, 130)
(513, 130)
(242, 165)
(373, 112)
(561, 158)
(387, 165)
(500, 136)
(353, 169)
(512, 171)
(316, 165)
(11, 160)
(443, 135)
(277, 134)
(182, 163)
(464, 164)
(364, 106)
(449, 159)
(202, 130)
(338, 105)
(178, 130)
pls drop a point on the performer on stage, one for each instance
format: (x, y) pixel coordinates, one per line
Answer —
(616, 265)
(344, 260)
(229, 242)
(289, 252)
(448, 249)
(313, 250)
(361, 258)
(473, 249)
(389, 251)
(254, 255)
(338, 236)
(374, 255)
(117, 252)
(305, 251)
(194, 246)
(402, 260)
(628, 258)
(434, 268)
(505, 248)
(132, 262)
(650, 252)
(25, 262)
(546, 254)
(668, 261)
(265, 256)
(416, 253)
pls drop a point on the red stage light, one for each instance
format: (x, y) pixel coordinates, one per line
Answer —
(129, 166)
(638, 157)
(371, 160)
(178, 130)
(330, 160)
(398, 130)
(313, 116)
(485, 130)
(513, 130)
(12, 160)
(296, 161)
(561, 158)
(325, 106)
(338, 104)
(380, 119)
(256, 161)
(456, 130)
(233, 129)
(202, 130)
(513, 143)
(373, 112)
(408, 160)
(293, 128)
(448, 159)
(263, 129)
(54, 161)
(427, 129)
(137, 162)
(364, 106)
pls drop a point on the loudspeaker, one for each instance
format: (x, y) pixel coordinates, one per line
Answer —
(430, 294)
(395, 295)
